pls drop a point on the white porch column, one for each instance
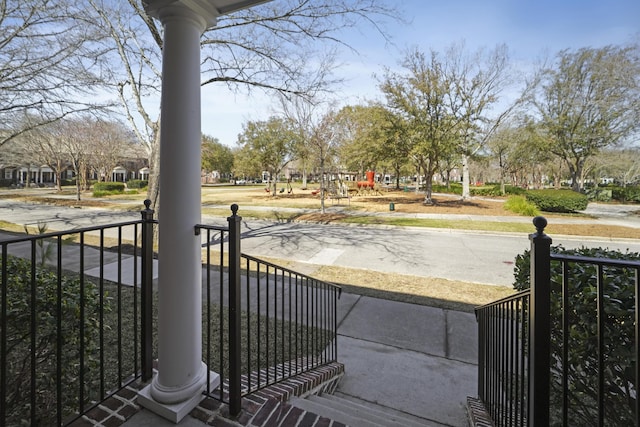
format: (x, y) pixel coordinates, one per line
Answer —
(181, 376)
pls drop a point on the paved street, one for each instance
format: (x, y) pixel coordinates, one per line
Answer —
(456, 255)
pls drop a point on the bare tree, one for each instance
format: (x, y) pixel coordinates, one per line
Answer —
(107, 142)
(323, 146)
(48, 67)
(285, 46)
(476, 81)
(621, 165)
(44, 148)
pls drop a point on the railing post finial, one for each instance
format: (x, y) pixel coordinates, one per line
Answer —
(234, 209)
(540, 223)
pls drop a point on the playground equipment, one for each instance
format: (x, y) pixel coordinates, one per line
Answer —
(369, 183)
(338, 190)
(368, 186)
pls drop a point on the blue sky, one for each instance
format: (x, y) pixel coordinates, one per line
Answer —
(531, 29)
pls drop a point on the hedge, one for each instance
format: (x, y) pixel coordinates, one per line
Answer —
(106, 188)
(137, 183)
(619, 301)
(625, 194)
(495, 190)
(454, 188)
(48, 312)
(550, 200)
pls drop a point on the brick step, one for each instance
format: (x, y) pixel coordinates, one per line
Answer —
(355, 412)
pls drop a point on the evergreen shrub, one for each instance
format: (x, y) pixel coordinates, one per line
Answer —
(106, 188)
(618, 288)
(626, 194)
(55, 305)
(454, 188)
(550, 200)
(494, 190)
(137, 184)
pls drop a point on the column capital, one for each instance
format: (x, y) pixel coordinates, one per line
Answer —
(201, 12)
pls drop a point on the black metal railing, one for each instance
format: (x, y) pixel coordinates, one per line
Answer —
(503, 380)
(77, 318)
(275, 323)
(70, 319)
(564, 352)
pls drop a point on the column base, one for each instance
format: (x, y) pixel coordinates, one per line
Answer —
(175, 412)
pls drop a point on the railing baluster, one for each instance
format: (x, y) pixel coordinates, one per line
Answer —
(247, 275)
(511, 355)
(600, 325)
(636, 348)
(309, 337)
(524, 385)
(275, 323)
(136, 284)
(59, 330)
(81, 328)
(208, 308)
(3, 337)
(259, 314)
(32, 332)
(282, 323)
(119, 307)
(290, 324)
(565, 344)
(222, 354)
(298, 343)
(267, 324)
(101, 316)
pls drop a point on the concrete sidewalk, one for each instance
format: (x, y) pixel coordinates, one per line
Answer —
(418, 360)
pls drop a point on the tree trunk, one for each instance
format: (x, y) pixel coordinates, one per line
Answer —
(429, 171)
(574, 172)
(304, 174)
(58, 172)
(322, 186)
(466, 191)
(428, 189)
(153, 189)
(58, 180)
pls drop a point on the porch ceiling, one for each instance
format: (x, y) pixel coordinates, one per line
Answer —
(204, 8)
